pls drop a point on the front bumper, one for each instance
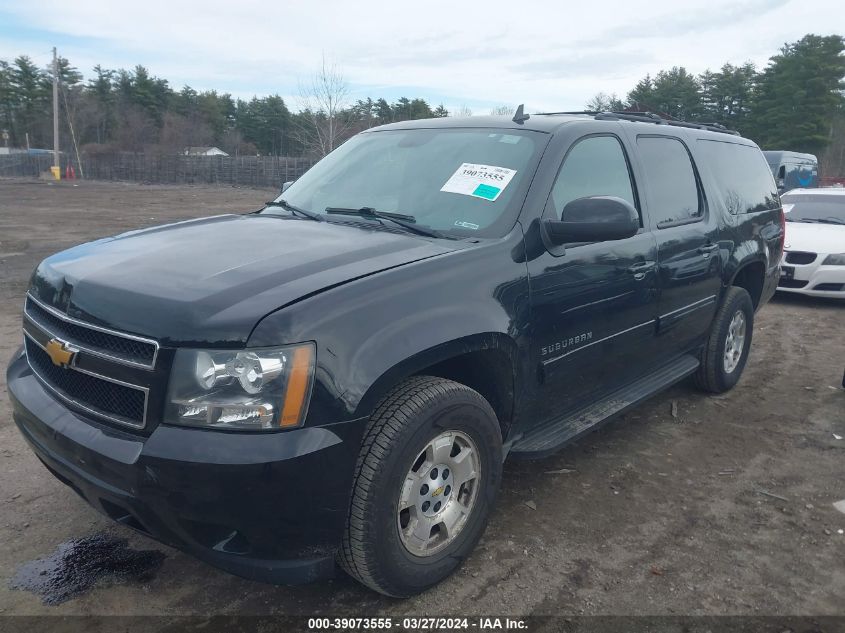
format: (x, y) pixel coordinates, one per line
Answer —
(814, 279)
(269, 507)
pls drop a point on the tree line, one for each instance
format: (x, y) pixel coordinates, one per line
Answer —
(797, 102)
(132, 110)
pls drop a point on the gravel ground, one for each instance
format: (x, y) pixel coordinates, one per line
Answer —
(688, 505)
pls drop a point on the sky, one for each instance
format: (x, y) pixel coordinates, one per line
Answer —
(478, 55)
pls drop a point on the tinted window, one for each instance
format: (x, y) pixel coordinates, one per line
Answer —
(596, 166)
(672, 189)
(817, 208)
(743, 178)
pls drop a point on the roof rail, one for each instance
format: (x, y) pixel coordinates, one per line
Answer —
(590, 112)
(651, 117)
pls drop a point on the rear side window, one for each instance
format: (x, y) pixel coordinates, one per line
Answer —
(743, 178)
(673, 193)
(595, 166)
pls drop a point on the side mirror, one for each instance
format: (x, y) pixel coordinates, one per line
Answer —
(594, 219)
(285, 185)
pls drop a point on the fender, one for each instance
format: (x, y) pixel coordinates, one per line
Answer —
(758, 238)
(736, 268)
(376, 330)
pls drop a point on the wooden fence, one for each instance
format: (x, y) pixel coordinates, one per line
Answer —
(246, 171)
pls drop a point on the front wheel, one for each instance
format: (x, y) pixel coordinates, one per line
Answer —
(726, 352)
(425, 483)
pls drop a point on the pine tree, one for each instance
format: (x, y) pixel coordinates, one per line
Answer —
(673, 92)
(641, 96)
(676, 92)
(30, 90)
(726, 95)
(799, 94)
(7, 101)
(101, 88)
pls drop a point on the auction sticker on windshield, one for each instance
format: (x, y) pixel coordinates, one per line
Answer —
(481, 181)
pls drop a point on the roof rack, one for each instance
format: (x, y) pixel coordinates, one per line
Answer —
(651, 117)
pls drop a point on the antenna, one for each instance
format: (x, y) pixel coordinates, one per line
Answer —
(520, 116)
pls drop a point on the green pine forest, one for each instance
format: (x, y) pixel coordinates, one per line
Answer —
(796, 102)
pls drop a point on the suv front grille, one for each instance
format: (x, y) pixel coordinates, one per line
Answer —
(104, 373)
(129, 349)
(98, 395)
(800, 257)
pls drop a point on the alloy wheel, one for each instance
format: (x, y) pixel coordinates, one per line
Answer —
(439, 493)
(734, 342)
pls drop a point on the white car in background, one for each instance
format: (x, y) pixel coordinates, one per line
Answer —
(814, 252)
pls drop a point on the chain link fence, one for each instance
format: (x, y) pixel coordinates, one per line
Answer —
(244, 171)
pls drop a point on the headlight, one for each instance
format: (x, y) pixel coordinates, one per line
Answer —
(834, 260)
(254, 389)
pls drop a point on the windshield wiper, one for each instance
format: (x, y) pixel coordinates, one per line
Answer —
(287, 205)
(406, 221)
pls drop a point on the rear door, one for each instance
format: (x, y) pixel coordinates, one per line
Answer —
(689, 256)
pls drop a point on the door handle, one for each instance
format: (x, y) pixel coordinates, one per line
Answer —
(708, 249)
(639, 269)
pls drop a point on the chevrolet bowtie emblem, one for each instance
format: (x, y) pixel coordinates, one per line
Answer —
(60, 352)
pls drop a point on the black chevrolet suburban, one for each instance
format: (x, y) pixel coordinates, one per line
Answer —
(338, 377)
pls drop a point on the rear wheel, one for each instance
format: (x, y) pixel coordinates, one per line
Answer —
(726, 352)
(425, 483)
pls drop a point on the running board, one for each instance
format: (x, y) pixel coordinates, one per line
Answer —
(555, 434)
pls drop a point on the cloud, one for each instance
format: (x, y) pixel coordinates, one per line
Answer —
(577, 63)
(552, 56)
(703, 20)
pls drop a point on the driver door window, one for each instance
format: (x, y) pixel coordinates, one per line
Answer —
(595, 166)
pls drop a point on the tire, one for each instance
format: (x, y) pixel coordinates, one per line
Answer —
(717, 374)
(377, 550)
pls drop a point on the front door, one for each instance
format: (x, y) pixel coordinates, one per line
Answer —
(593, 305)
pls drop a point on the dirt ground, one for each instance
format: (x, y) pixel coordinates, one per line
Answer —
(656, 513)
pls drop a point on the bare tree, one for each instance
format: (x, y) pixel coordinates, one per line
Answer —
(603, 102)
(462, 111)
(501, 110)
(323, 101)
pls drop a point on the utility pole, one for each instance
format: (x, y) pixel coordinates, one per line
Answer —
(56, 163)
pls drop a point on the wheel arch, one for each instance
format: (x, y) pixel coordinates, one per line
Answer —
(750, 274)
(485, 362)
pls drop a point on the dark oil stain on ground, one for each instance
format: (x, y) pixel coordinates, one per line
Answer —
(78, 565)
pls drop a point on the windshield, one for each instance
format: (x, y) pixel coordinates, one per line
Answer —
(465, 182)
(828, 207)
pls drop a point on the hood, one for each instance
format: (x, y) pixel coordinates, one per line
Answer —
(815, 238)
(209, 281)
